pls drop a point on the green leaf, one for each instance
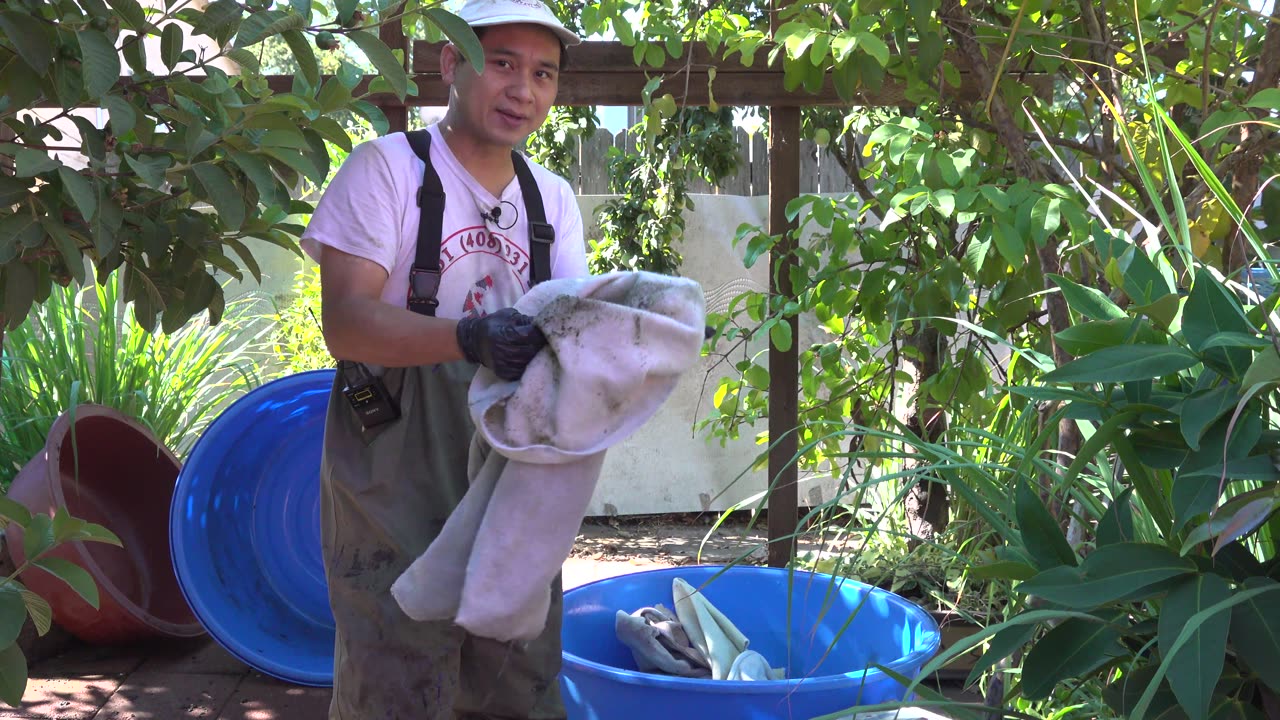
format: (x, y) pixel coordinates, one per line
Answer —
(1087, 337)
(79, 190)
(37, 536)
(334, 95)
(1089, 302)
(13, 190)
(390, 67)
(1108, 574)
(1195, 669)
(1235, 340)
(1265, 99)
(305, 56)
(1123, 364)
(1116, 524)
(29, 38)
(1255, 633)
(1068, 651)
(330, 130)
(29, 162)
(150, 168)
(1046, 218)
(14, 511)
(123, 116)
(13, 675)
(39, 610)
(297, 161)
(1011, 246)
(1203, 409)
(93, 532)
(134, 51)
(132, 13)
(780, 335)
(461, 34)
(261, 25)
(270, 191)
(222, 194)
(67, 247)
(1040, 532)
(245, 58)
(1003, 645)
(73, 575)
(373, 114)
(13, 614)
(19, 291)
(171, 45)
(1210, 310)
(101, 62)
(1264, 369)
(874, 46)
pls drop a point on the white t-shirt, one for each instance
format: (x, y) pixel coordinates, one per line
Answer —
(370, 210)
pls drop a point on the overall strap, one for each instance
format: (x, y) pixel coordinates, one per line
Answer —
(541, 234)
(424, 277)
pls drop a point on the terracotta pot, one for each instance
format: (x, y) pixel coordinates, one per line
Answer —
(125, 483)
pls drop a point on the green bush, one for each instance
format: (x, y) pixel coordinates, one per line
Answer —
(298, 340)
(86, 346)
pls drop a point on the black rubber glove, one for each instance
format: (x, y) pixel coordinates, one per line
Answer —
(504, 342)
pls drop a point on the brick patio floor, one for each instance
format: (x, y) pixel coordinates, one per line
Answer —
(175, 680)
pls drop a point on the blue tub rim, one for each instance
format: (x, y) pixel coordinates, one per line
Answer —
(217, 630)
(760, 687)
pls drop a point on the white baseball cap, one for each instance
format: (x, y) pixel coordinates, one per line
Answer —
(482, 13)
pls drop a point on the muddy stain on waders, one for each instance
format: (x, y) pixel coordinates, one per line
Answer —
(385, 494)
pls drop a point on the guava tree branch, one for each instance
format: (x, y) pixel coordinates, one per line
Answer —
(1251, 151)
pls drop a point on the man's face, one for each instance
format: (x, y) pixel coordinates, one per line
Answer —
(512, 97)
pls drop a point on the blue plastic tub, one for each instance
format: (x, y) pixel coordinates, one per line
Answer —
(244, 528)
(825, 675)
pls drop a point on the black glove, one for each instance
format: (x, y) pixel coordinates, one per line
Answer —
(504, 342)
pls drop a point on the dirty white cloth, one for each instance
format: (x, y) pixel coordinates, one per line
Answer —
(617, 345)
(659, 643)
(725, 647)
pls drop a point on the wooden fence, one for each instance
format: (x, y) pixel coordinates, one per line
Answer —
(819, 172)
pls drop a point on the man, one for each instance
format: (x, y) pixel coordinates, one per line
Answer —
(389, 486)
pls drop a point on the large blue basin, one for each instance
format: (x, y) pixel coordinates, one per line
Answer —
(829, 638)
(244, 529)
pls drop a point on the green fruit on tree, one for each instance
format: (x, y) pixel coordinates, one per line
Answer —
(326, 41)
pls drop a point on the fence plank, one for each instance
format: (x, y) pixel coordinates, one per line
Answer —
(759, 165)
(739, 183)
(595, 168)
(831, 174)
(808, 166)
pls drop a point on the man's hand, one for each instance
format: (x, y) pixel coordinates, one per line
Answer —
(504, 342)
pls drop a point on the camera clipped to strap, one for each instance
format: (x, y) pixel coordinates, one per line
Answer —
(367, 394)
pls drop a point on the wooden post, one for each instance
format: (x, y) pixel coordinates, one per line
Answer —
(784, 366)
(392, 34)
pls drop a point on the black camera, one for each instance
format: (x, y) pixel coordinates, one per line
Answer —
(368, 395)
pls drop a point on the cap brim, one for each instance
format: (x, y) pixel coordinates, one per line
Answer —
(566, 36)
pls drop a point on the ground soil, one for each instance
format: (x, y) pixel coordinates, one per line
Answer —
(679, 539)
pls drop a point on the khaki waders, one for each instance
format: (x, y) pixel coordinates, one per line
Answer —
(385, 494)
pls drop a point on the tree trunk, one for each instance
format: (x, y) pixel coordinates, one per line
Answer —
(960, 25)
(1253, 139)
(928, 506)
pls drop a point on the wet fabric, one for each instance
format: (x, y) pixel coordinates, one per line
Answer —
(617, 345)
(699, 641)
(385, 495)
(659, 643)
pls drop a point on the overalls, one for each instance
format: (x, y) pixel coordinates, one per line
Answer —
(385, 494)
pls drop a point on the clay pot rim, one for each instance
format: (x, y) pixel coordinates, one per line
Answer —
(53, 477)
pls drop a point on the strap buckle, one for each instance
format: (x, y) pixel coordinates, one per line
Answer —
(542, 232)
(424, 284)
